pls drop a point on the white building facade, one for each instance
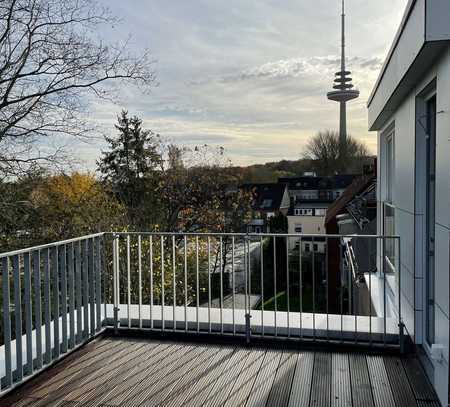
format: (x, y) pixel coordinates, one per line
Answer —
(307, 219)
(410, 109)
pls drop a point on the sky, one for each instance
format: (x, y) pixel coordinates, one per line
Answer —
(249, 75)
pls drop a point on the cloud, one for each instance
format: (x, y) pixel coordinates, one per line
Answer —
(250, 76)
(297, 68)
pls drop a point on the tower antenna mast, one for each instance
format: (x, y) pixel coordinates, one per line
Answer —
(343, 91)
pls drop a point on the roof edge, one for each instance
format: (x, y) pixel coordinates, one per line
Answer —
(398, 35)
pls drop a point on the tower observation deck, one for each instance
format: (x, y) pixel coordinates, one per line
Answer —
(344, 90)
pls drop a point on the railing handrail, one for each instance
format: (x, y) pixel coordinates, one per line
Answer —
(50, 245)
(389, 204)
(193, 234)
(206, 234)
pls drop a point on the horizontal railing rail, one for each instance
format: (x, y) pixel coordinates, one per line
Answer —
(50, 245)
(58, 296)
(213, 234)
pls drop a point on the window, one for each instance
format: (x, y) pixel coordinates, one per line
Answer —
(303, 212)
(267, 203)
(388, 207)
(298, 229)
(307, 248)
(315, 247)
(321, 212)
(431, 220)
(389, 165)
(308, 195)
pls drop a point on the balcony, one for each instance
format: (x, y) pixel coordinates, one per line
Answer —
(153, 372)
(206, 319)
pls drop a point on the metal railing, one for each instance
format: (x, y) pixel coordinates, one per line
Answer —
(291, 287)
(51, 298)
(268, 285)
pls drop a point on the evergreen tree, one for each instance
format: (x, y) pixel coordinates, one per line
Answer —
(130, 166)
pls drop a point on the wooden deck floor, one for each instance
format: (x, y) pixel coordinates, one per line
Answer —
(146, 372)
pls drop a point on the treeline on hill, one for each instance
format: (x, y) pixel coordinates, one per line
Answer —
(321, 156)
(270, 172)
(140, 184)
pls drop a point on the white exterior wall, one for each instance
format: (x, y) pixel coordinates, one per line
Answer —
(311, 225)
(409, 215)
(285, 202)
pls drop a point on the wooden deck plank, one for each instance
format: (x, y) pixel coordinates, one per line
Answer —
(121, 389)
(381, 388)
(82, 381)
(401, 389)
(281, 388)
(360, 381)
(174, 376)
(261, 388)
(244, 383)
(120, 377)
(301, 384)
(206, 382)
(148, 372)
(321, 382)
(108, 372)
(154, 383)
(428, 403)
(75, 366)
(223, 386)
(419, 383)
(341, 395)
(64, 382)
(25, 402)
(184, 386)
(153, 365)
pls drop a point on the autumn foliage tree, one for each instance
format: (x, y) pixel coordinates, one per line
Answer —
(200, 193)
(67, 206)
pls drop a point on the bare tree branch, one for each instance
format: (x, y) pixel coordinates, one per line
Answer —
(51, 64)
(324, 150)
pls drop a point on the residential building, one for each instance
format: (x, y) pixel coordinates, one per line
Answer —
(310, 198)
(268, 201)
(312, 187)
(410, 109)
(307, 218)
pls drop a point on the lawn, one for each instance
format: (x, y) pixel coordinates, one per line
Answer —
(294, 301)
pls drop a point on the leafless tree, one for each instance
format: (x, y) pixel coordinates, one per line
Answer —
(52, 64)
(324, 150)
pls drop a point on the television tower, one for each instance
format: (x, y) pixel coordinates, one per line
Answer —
(344, 91)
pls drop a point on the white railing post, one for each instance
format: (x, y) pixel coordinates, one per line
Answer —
(247, 265)
(116, 282)
(401, 325)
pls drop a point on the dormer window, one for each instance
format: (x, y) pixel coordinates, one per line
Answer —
(267, 203)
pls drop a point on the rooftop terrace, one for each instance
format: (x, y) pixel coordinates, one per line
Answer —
(68, 309)
(115, 371)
